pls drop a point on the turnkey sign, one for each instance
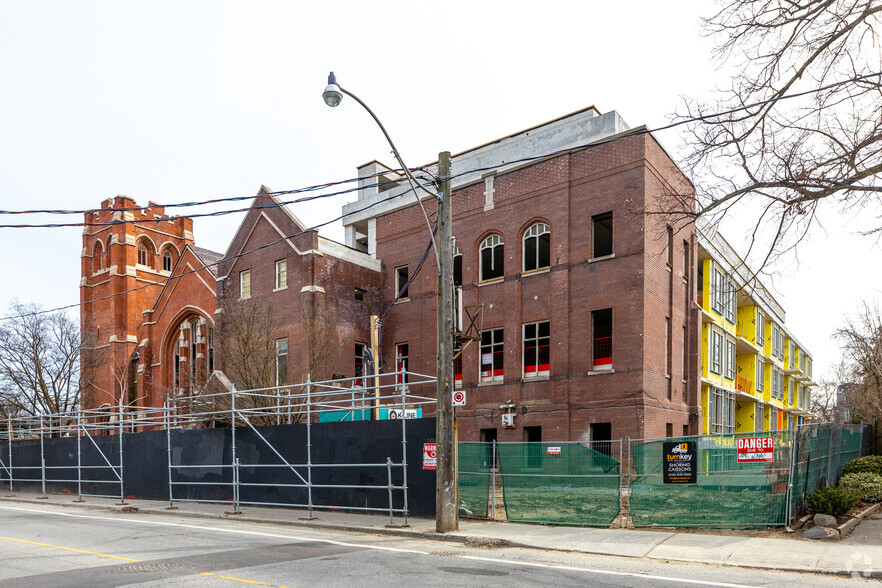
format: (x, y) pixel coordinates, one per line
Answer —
(754, 449)
(679, 463)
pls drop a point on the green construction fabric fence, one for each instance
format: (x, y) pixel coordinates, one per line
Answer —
(822, 450)
(727, 493)
(475, 461)
(563, 483)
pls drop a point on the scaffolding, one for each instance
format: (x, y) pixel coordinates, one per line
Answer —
(245, 416)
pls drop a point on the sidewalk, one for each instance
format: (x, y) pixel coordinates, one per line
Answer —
(852, 556)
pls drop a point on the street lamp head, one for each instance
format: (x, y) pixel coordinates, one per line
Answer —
(332, 94)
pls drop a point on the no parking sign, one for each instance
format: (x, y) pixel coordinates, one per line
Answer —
(459, 398)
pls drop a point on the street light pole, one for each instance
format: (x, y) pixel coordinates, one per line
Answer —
(446, 487)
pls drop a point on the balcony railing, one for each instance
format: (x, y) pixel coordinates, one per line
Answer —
(742, 384)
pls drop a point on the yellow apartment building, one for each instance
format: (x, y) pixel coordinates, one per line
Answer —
(755, 374)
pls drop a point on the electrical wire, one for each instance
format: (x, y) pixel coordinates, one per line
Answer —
(434, 178)
(165, 281)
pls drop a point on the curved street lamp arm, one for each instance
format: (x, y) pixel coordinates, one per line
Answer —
(414, 183)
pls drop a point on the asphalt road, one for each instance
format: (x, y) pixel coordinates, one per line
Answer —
(46, 546)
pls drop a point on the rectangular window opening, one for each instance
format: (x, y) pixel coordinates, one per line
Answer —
(602, 229)
(281, 362)
(492, 355)
(281, 274)
(537, 352)
(245, 284)
(602, 342)
(401, 286)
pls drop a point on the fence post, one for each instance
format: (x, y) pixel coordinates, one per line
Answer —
(493, 480)
(168, 446)
(404, 450)
(122, 491)
(788, 496)
(309, 516)
(236, 487)
(79, 456)
(389, 486)
(11, 483)
(234, 461)
(42, 462)
(624, 513)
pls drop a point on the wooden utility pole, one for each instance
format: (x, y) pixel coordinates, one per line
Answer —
(375, 362)
(446, 491)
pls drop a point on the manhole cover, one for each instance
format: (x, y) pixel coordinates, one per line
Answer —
(147, 566)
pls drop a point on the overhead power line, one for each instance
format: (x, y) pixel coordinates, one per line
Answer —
(638, 131)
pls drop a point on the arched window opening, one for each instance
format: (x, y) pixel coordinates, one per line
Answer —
(537, 247)
(492, 256)
(457, 266)
(193, 359)
(98, 258)
(168, 260)
(142, 253)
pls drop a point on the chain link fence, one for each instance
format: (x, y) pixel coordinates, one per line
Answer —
(563, 483)
(599, 485)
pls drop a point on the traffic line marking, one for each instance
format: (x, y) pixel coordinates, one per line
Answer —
(71, 549)
(383, 548)
(128, 559)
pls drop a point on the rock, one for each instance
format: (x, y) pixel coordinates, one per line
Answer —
(821, 533)
(822, 520)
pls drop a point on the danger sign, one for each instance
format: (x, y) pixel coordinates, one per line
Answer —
(753, 449)
(459, 398)
(430, 456)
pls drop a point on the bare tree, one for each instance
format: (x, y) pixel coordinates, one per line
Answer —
(322, 345)
(246, 341)
(40, 359)
(783, 157)
(861, 338)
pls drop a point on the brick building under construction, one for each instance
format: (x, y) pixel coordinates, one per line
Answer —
(585, 315)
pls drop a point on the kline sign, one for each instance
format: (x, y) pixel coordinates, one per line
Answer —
(753, 449)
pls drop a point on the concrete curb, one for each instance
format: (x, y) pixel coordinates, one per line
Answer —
(848, 526)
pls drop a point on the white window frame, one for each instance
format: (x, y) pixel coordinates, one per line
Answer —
(760, 336)
(281, 272)
(729, 371)
(281, 352)
(491, 242)
(731, 301)
(535, 232)
(721, 411)
(716, 352)
(537, 373)
(718, 303)
(398, 285)
(245, 284)
(497, 340)
(760, 375)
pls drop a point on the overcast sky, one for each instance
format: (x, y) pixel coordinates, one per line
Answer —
(177, 101)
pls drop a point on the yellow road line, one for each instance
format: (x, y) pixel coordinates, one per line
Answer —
(131, 560)
(70, 549)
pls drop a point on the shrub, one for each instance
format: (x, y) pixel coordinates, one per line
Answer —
(868, 463)
(868, 485)
(834, 501)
